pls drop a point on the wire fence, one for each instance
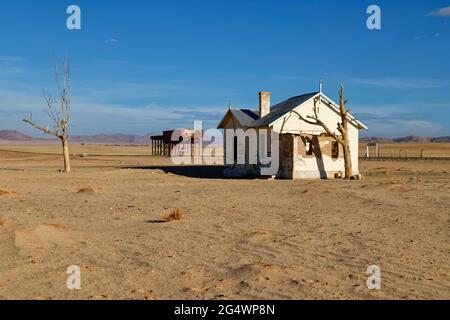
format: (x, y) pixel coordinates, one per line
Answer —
(414, 152)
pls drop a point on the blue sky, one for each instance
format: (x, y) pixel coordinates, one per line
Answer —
(143, 66)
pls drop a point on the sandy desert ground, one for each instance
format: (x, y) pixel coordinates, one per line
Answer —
(238, 239)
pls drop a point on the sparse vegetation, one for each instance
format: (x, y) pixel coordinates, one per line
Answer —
(89, 190)
(176, 215)
(55, 225)
(7, 193)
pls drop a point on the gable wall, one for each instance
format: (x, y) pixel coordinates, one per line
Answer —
(292, 124)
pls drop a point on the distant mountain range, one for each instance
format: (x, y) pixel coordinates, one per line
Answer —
(17, 136)
(407, 139)
(12, 135)
(112, 138)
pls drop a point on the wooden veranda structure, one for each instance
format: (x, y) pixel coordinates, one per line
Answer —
(162, 145)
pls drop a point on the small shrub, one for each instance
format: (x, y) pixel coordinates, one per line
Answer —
(88, 190)
(176, 215)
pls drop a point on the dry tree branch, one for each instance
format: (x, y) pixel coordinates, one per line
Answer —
(315, 121)
(45, 130)
(52, 113)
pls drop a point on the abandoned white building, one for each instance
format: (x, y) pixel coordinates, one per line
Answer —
(305, 150)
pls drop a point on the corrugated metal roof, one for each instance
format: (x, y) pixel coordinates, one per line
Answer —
(282, 108)
(250, 113)
(250, 118)
(244, 116)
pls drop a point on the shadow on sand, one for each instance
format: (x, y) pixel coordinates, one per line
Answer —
(202, 172)
(156, 221)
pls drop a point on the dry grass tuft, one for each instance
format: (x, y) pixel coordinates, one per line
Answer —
(258, 232)
(396, 183)
(55, 225)
(146, 294)
(8, 193)
(88, 190)
(176, 215)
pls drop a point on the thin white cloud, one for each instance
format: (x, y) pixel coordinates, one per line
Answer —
(10, 60)
(90, 116)
(129, 89)
(92, 113)
(402, 83)
(427, 36)
(401, 127)
(11, 65)
(112, 40)
(443, 12)
(401, 119)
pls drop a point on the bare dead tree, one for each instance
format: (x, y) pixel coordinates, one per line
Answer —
(342, 127)
(60, 116)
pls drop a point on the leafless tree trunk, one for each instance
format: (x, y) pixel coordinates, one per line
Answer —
(61, 116)
(342, 127)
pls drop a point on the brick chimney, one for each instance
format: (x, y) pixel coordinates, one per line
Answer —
(264, 103)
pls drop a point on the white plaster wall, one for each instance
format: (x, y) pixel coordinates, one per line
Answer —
(310, 166)
(354, 147)
(243, 149)
(318, 168)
